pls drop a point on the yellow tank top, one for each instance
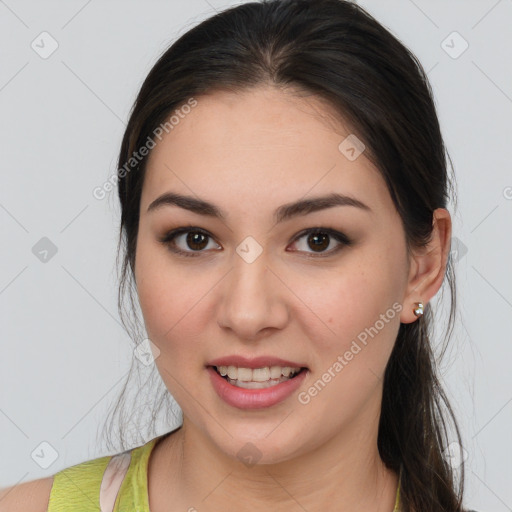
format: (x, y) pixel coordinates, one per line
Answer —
(115, 483)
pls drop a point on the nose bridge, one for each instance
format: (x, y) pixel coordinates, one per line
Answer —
(248, 283)
(252, 299)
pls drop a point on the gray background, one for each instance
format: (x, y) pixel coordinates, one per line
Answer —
(64, 353)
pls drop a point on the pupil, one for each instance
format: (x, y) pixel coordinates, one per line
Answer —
(192, 238)
(317, 236)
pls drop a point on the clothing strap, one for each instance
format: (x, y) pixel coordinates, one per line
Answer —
(112, 479)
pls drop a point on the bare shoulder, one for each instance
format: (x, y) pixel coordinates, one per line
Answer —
(27, 497)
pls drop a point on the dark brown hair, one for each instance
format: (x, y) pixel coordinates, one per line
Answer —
(336, 51)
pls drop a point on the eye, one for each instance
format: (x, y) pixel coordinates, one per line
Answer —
(196, 239)
(320, 239)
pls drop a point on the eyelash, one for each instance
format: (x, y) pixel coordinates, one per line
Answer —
(168, 240)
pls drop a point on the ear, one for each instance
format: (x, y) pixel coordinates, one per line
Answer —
(428, 266)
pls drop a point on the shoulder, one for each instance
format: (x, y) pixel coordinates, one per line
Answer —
(75, 485)
(90, 485)
(27, 497)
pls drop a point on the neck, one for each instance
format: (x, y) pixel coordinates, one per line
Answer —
(346, 470)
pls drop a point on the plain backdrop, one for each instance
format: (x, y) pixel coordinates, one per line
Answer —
(63, 350)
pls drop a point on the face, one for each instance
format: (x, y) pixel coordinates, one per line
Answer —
(252, 283)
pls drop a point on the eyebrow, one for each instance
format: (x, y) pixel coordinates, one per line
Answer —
(283, 213)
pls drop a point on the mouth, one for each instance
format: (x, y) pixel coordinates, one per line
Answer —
(258, 378)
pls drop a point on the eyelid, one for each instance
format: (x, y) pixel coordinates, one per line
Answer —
(343, 240)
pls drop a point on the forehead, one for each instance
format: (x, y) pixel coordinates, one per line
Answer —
(258, 144)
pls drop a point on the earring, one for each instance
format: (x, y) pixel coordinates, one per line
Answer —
(418, 311)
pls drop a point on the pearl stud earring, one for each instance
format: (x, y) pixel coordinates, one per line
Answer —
(418, 310)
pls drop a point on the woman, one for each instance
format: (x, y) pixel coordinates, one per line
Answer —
(283, 184)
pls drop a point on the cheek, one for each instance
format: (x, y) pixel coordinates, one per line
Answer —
(353, 340)
(152, 288)
(354, 309)
(345, 301)
(168, 296)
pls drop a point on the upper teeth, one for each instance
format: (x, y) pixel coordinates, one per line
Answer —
(258, 374)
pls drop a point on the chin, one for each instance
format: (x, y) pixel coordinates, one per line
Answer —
(254, 446)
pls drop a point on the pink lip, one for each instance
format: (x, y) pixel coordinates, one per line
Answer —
(254, 398)
(256, 362)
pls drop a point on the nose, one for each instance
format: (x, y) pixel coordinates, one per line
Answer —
(253, 301)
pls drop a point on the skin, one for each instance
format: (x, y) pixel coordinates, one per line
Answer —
(250, 153)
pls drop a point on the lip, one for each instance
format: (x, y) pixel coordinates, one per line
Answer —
(255, 362)
(242, 398)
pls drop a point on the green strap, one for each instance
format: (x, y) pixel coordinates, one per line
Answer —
(397, 501)
(133, 495)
